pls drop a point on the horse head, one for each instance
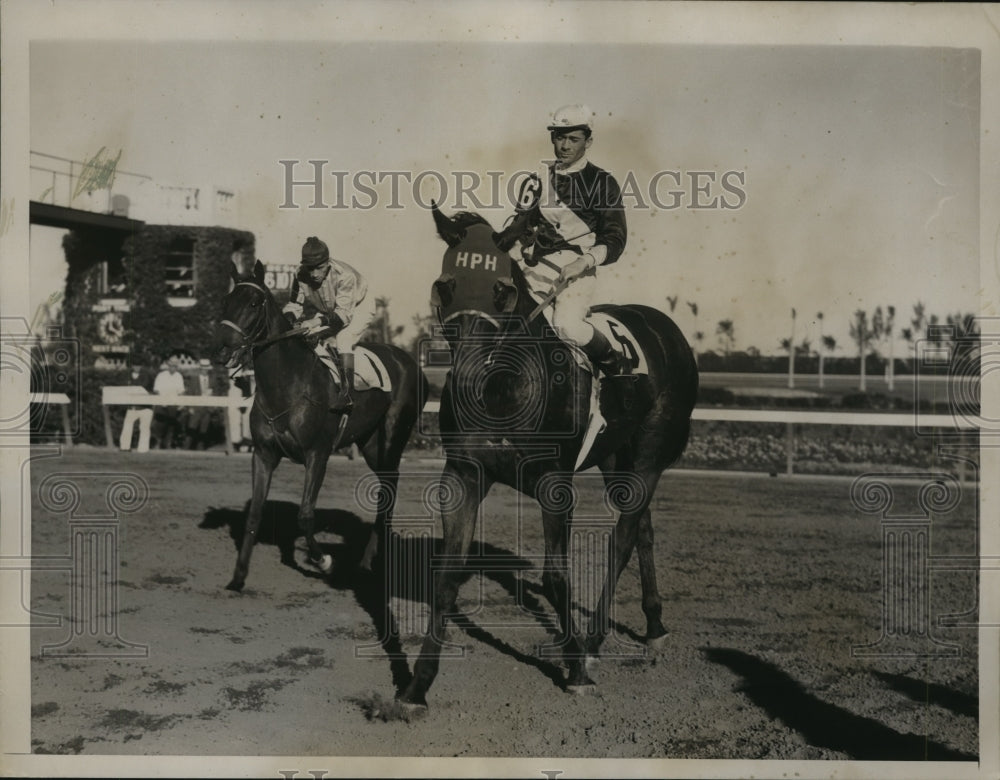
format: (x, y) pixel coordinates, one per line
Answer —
(249, 315)
(502, 358)
(479, 288)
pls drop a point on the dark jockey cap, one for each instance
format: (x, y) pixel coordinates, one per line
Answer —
(314, 253)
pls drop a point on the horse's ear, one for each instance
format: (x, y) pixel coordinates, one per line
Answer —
(449, 231)
(516, 228)
(443, 291)
(258, 272)
(504, 295)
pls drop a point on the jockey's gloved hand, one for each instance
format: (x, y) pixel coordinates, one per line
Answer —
(578, 267)
(313, 324)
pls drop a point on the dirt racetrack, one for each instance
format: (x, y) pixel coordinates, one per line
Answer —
(767, 585)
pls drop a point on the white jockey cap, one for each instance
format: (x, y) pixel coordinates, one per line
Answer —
(572, 117)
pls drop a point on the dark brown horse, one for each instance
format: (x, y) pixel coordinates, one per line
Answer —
(515, 410)
(291, 414)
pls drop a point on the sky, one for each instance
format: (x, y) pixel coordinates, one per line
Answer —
(858, 165)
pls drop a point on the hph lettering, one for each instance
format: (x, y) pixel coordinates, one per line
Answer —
(472, 260)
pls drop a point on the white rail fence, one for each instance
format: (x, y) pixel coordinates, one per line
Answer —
(923, 424)
(920, 422)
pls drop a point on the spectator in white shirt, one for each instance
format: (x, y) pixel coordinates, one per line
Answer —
(137, 414)
(170, 381)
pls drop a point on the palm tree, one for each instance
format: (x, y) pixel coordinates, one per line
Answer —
(918, 322)
(862, 334)
(698, 335)
(907, 334)
(822, 341)
(727, 335)
(791, 354)
(890, 317)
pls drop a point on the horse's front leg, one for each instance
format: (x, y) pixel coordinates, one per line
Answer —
(463, 489)
(315, 464)
(261, 471)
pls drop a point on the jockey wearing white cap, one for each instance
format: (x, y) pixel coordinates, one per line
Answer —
(575, 213)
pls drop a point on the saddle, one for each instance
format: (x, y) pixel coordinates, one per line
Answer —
(615, 331)
(370, 372)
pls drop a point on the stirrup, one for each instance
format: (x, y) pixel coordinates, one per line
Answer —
(618, 366)
(620, 381)
(342, 404)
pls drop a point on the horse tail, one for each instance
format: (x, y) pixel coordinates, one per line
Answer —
(673, 371)
(678, 434)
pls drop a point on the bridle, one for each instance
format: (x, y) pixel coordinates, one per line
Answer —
(255, 341)
(250, 341)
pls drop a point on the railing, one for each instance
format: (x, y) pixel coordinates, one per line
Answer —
(791, 419)
(62, 401)
(99, 186)
(60, 181)
(128, 395)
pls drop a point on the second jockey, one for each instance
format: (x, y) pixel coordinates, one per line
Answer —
(569, 221)
(331, 297)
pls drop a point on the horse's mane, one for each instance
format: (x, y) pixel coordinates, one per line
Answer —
(454, 229)
(466, 219)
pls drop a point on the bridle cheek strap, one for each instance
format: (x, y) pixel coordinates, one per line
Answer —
(234, 326)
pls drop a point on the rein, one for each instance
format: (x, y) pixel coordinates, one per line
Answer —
(253, 341)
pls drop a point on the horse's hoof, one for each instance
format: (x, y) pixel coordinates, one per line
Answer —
(412, 709)
(235, 585)
(582, 689)
(324, 564)
(656, 643)
(591, 661)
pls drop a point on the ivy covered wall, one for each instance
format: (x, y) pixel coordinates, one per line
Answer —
(153, 327)
(159, 328)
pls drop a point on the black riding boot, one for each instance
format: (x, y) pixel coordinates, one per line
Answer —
(615, 366)
(610, 361)
(343, 402)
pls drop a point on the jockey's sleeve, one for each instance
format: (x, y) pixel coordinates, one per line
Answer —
(295, 300)
(611, 232)
(345, 298)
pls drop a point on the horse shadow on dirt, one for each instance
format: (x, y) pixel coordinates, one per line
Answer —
(822, 724)
(411, 580)
(932, 693)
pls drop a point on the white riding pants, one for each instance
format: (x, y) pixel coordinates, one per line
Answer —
(569, 311)
(361, 318)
